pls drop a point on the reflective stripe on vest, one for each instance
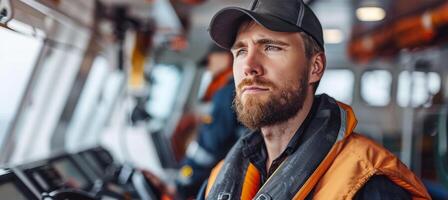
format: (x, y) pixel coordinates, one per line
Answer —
(200, 155)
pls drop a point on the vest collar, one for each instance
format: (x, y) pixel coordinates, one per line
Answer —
(330, 124)
(254, 140)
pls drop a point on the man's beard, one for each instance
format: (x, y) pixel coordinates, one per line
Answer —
(281, 105)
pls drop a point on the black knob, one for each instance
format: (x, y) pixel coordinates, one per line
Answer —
(4, 12)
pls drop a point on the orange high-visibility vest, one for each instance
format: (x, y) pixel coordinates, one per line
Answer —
(351, 162)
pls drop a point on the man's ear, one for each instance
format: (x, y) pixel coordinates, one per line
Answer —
(318, 62)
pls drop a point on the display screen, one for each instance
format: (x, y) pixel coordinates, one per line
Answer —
(105, 197)
(94, 163)
(10, 191)
(70, 174)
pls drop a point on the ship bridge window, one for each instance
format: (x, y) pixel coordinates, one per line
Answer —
(18, 54)
(376, 87)
(338, 83)
(165, 82)
(417, 89)
(90, 107)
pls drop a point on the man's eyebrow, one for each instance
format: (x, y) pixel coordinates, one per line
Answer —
(237, 45)
(271, 41)
(262, 41)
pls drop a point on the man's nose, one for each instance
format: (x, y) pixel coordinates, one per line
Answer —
(252, 64)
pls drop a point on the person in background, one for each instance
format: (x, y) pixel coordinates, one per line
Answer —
(218, 73)
(303, 145)
(218, 132)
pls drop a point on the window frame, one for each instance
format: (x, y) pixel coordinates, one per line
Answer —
(6, 146)
(391, 90)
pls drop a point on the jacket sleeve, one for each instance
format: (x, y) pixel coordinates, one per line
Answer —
(381, 188)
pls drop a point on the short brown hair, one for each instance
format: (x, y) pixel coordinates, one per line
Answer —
(311, 48)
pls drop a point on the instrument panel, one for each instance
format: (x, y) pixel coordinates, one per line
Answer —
(89, 174)
(11, 187)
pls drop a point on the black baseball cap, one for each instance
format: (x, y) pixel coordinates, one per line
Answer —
(275, 15)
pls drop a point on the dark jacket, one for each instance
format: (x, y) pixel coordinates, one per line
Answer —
(213, 142)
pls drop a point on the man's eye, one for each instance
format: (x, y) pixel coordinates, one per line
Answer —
(272, 48)
(240, 52)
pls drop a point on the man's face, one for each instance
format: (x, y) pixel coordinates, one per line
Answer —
(271, 75)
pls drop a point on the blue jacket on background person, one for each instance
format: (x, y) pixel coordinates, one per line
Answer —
(213, 142)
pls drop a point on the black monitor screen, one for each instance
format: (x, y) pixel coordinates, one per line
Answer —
(71, 175)
(10, 191)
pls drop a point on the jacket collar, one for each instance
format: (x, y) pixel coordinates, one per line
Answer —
(317, 145)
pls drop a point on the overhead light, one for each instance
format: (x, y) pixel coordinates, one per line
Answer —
(370, 13)
(333, 36)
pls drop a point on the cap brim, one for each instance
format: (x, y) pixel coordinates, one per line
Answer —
(225, 24)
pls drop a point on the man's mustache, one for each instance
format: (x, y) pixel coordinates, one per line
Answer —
(262, 82)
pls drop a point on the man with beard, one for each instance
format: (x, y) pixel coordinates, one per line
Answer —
(302, 145)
